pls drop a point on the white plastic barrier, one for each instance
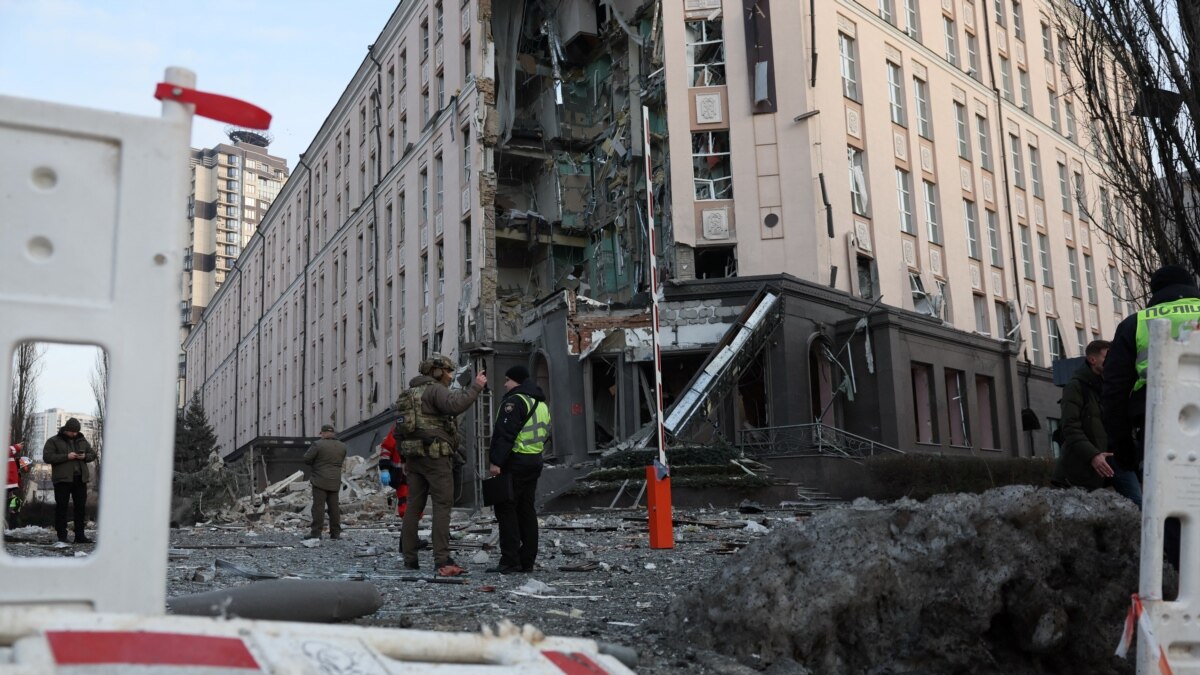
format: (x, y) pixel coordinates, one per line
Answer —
(92, 225)
(1172, 489)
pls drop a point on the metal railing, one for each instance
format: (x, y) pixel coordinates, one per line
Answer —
(809, 440)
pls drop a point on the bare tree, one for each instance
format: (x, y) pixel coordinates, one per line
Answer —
(26, 368)
(1132, 67)
(98, 381)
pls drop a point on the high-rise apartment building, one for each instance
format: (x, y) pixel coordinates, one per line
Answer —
(910, 177)
(233, 185)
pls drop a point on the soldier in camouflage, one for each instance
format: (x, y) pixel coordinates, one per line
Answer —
(429, 458)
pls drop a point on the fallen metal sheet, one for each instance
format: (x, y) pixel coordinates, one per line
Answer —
(306, 600)
(244, 571)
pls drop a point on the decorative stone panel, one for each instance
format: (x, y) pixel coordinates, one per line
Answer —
(715, 223)
(709, 109)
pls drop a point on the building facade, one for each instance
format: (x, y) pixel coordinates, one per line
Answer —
(233, 185)
(922, 201)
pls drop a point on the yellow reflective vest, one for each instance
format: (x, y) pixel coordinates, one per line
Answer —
(536, 431)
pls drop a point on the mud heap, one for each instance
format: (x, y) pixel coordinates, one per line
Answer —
(1014, 580)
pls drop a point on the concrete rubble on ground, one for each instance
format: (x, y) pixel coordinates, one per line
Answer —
(286, 503)
(758, 587)
(1016, 580)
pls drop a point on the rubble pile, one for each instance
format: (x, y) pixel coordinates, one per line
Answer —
(286, 504)
(1016, 579)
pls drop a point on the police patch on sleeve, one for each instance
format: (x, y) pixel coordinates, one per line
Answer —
(509, 407)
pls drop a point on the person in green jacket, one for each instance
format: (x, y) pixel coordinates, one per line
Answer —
(326, 457)
(68, 453)
(1085, 461)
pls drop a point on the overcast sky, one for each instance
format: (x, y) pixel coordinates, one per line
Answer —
(291, 57)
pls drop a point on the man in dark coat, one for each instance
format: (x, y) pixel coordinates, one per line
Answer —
(326, 457)
(1085, 460)
(518, 438)
(68, 453)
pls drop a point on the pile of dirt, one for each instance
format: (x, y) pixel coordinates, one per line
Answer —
(1014, 580)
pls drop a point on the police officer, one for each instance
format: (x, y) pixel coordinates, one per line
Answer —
(1173, 296)
(518, 438)
(429, 459)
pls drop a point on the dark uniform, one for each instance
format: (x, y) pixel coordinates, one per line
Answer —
(518, 439)
(1174, 296)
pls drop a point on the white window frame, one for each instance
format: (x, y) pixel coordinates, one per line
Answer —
(904, 201)
(699, 39)
(895, 75)
(933, 228)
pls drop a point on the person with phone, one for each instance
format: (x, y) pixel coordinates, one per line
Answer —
(68, 453)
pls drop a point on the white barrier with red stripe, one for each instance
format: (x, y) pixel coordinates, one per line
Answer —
(62, 641)
(1169, 631)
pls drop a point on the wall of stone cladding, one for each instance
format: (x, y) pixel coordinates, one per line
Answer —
(689, 312)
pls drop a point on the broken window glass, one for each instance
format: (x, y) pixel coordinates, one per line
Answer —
(706, 53)
(858, 181)
(920, 298)
(956, 393)
(711, 167)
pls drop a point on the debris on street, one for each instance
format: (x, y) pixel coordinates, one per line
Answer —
(1015, 580)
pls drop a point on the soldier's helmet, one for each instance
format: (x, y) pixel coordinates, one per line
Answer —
(441, 361)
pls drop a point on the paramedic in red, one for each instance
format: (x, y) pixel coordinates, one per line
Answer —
(14, 486)
(68, 453)
(394, 464)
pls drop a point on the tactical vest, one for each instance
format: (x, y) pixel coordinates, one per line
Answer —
(434, 436)
(536, 431)
(1183, 313)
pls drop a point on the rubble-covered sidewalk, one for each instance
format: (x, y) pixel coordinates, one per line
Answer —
(1015, 580)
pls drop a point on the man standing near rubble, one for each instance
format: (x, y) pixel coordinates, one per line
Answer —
(518, 438)
(1173, 296)
(429, 458)
(326, 458)
(68, 453)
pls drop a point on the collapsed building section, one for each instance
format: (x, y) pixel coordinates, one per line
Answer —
(570, 181)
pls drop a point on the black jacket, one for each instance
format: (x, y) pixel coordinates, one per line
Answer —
(512, 417)
(1083, 431)
(1125, 409)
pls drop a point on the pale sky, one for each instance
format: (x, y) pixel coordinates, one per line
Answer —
(291, 57)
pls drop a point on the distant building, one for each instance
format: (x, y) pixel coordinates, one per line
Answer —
(232, 187)
(48, 422)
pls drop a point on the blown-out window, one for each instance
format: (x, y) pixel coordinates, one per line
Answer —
(712, 173)
(705, 53)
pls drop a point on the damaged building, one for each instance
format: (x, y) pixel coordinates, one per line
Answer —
(863, 242)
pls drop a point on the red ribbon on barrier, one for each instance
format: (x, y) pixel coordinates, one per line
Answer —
(215, 106)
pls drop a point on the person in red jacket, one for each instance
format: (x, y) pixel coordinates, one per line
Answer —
(14, 486)
(391, 460)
